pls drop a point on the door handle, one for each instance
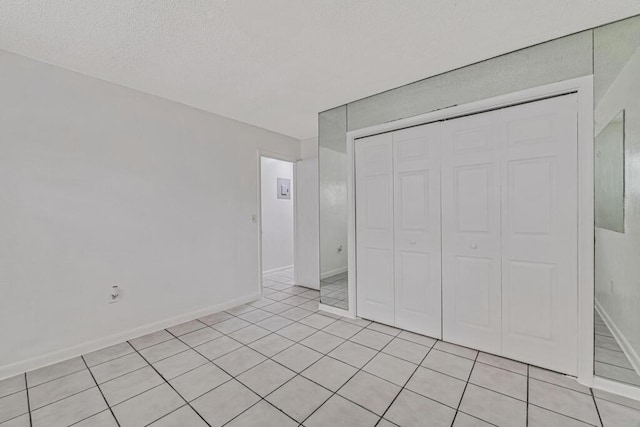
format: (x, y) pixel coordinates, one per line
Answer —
(473, 246)
(413, 242)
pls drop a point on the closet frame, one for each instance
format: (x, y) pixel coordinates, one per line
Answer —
(583, 87)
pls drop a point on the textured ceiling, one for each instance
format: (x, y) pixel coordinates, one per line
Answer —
(276, 63)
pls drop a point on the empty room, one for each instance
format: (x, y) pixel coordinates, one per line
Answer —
(319, 213)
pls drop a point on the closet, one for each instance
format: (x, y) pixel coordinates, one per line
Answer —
(398, 228)
(466, 230)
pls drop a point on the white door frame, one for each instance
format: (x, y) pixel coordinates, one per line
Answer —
(287, 158)
(583, 87)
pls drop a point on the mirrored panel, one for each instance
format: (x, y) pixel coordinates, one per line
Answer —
(617, 201)
(332, 164)
(609, 175)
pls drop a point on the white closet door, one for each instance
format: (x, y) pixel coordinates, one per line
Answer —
(417, 229)
(374, 228)
(539, 234)
(471, 256)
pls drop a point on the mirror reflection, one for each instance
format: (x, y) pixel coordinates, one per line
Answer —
(609, 175)
(332, 164)
(617, 201)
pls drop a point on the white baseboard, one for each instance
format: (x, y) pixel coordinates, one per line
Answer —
(276, 270)
(335, 310)
(615, 387)
(333, 272)
(87, 347)
(631, 354)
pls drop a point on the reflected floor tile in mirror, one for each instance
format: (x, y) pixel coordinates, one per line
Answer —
(610, 360)
(334, 291)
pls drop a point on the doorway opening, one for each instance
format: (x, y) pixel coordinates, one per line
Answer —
(277, 215)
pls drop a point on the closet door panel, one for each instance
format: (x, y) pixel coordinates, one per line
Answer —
(417, 229)
(471, 274)
(374, 228)
(474, 279)
(539, 233)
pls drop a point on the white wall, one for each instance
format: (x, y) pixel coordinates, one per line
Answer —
(307, 216)
(309, 148)
(277, 217)
(617, 256)
(333, 212)
(105, 185)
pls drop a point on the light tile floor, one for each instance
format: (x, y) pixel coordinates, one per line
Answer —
(610, 360)
(282, 277)
(333, 291)
(280, 362)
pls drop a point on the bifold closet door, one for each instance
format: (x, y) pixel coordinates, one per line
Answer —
(539, 233)
(374, 228)
(509, 203)
(416, 154)
(471, 254)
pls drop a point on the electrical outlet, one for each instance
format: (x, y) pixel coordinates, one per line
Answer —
(115, 294)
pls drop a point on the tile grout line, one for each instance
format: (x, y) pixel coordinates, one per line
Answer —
(266, 358)
(498, 367)
(15, 392)
(378, 352)
(596, 406)
(300, 374)
(135, 350)
(557, 385)
(345, 339)
(101, 393)
(271, 359)
(527, 401)
(333, 393)
(167, 414)
(66, 397)
(26, 387)
(475, 417)
(561, 414)
(464, 390)
(13, 418)
(107, 361)
(142, 392)
(403, 387)
(54, 379)
(170, 385)
(204, 325)
(323, 354)
(150, 388)
(78, 392)
(483, 387)
(102, 363)
(233, 377)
